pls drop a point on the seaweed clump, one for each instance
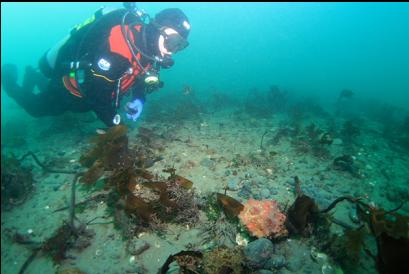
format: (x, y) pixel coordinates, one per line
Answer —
(63, 239)
(347, 163)
(221, 229)
(137, 198)
(318, 141)
(350, 131)
(219, 260)
(17, 182)
(224, 260)
(301, 213)
(390, 231)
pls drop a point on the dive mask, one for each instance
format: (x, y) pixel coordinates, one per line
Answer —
(173, 41)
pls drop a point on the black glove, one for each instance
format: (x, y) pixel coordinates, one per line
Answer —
(167, 62)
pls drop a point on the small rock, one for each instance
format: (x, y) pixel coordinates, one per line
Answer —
(259, 252)
(245, 193)
(295, 265)
(257, 196)
(136, 246)
(263, 271)
(233, 185)
(207, 163)
(327, 269)
(318, 257)
(277, 262)
(337, 142)
(265, 193)
(353, 216)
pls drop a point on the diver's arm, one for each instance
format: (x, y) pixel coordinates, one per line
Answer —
(106, 115)
(138, 90)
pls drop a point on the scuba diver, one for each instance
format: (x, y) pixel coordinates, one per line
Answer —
(114, 53)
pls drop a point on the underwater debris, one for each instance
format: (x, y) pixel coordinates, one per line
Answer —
(17, 182)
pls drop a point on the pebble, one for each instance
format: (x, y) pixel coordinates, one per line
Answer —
(207, 163)
(353, 216)
(233, 185)
(263, 271)
(257, 196)
(295, 265)
(244, 193)
(327, 269)
(277, 262)
(259, 252)
(137, 246)
(318, 257)
(265, 193)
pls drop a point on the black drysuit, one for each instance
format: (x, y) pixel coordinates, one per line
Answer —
(86, 45)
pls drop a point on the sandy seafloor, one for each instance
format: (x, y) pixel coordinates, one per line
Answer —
(201, 150)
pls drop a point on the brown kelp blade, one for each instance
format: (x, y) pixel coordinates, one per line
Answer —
(231, 207)
(183, 182)
(136, 205)
(93, 174)
(107, 145)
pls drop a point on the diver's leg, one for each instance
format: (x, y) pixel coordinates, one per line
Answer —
(33, 77)
(42, 104)
(9, 76)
